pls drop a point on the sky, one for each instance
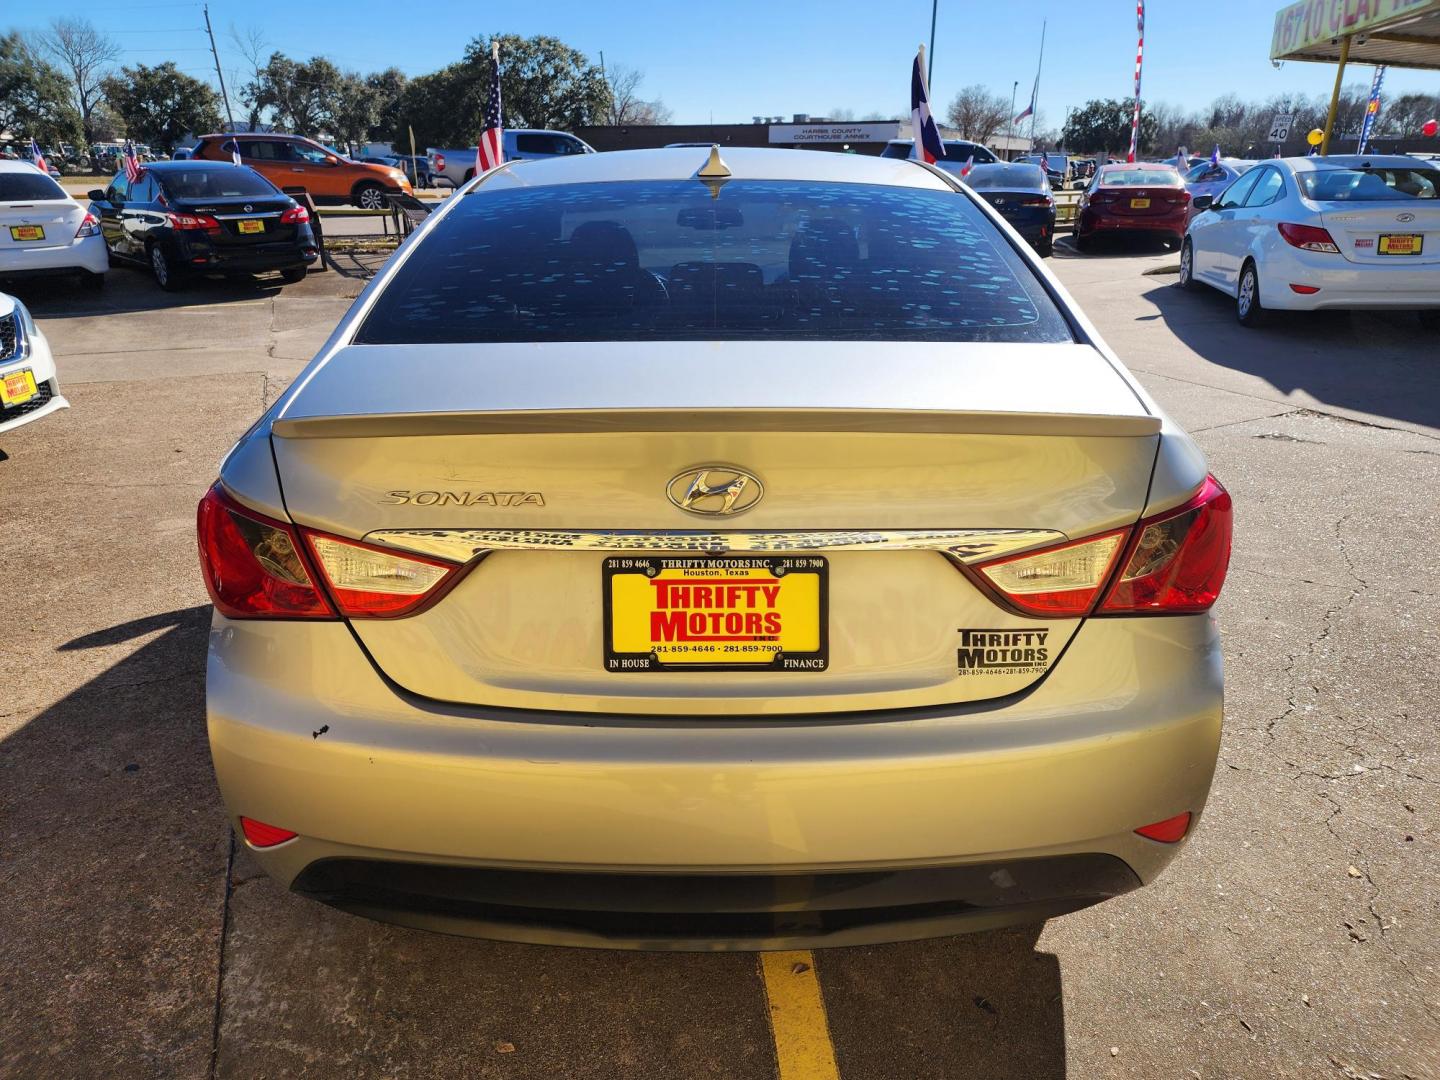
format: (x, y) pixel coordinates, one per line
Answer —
(730, 61)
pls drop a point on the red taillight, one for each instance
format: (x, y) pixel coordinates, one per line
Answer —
(261, 835)
(1168, 831)
(193, 223)
(89, 227)
(1308, 238)
(370, 582)
(253, 565)
(1172, 562)
(1037, 200)
(296, 215)
(1062, 580)
(1176, 561)
(439, 160)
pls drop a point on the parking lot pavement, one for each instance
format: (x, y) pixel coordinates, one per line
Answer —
(1296, 936)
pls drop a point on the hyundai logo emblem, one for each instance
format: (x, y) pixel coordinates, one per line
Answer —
(713, 490)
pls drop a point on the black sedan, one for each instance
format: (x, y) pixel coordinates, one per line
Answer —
(1021, 193)
(182, 218)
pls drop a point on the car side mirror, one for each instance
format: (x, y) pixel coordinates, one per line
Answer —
(95, 195)
(332, 161)
(1204, 202)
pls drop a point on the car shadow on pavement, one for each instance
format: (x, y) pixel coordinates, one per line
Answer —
(139, 941)
(1318, 352)
(1112, 247)
(132, 289)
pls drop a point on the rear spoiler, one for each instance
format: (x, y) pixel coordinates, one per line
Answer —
(590, 421)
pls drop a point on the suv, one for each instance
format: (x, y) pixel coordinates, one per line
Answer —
(291, 161)
(458, 165)
(957, 151)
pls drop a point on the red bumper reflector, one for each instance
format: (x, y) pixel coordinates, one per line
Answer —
(1169, 830)
(261, 835)
(1304, 290)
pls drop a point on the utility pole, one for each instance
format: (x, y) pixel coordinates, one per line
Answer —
(213, 52)
(930, 60)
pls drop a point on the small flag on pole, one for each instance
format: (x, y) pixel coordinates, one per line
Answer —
(1215, 155)
(132, 163)
(1030, 109)
(37, 157)
(234, 148)
(928, 145)
(969, 164)
(491, 151)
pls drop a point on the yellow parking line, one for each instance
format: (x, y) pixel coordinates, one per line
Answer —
(797, 1017)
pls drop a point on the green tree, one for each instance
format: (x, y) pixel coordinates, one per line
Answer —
(389, 124)
(543, 84)
(298, 93)
(1104, 124)
(352, 109)
(160, 104)
(35, 98)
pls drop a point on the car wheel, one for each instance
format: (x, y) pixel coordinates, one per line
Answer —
(370, 196)
(1083, 243)
(1187, 265)
(166, 276)
(292, 274)
(92, 282)
(1247, 297)
(1045, 249)
(469, 175)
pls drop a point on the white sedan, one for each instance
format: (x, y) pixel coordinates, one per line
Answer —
(29, 387)
(1299, 234)
(43, 231)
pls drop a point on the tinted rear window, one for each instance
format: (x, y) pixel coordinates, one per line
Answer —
(1007, 177)
(215, 183)
(1140, 178)
(1370, 185)
(660, 260)
(28, 187)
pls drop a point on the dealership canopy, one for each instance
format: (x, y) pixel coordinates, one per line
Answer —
(1397, 33)
(1394, 33)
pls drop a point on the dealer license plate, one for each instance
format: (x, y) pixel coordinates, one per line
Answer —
(252, 226)
(27, 232)
(716, 613)
(17, 387)
(1139, 204)
(1401, 244)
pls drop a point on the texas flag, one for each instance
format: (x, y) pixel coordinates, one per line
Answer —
(37, 157)
(928, 146)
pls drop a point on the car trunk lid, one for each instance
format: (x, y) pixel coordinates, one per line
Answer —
(58, 220)
(244, 221)
(1403, 232)
(553, 461)
(1148, 201)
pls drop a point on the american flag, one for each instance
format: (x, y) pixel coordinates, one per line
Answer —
(37, 157)
(928, 145)
(491, 151)
(132, 163)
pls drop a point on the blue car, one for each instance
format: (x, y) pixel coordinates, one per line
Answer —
(1211, 178)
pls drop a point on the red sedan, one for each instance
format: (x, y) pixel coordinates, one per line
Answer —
(1140, 198)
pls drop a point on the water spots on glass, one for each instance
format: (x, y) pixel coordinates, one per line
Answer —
(658, 260)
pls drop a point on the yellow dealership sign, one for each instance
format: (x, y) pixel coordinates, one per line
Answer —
(1301, 25)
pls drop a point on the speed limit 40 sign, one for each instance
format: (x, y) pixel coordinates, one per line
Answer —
(1280, 128)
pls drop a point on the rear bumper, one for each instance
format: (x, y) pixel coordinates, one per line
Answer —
(204, 257)
(1344, 285)
(306, 736)
(87, 254)
(1091, 223)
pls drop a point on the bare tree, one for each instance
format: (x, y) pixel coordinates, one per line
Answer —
(254, 45)
(841, 116)
(977, 114)
(626, 105)
(86, 55)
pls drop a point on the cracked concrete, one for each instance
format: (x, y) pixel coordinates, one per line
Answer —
(140, 941)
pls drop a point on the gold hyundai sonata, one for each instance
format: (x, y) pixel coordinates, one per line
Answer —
(677, 552)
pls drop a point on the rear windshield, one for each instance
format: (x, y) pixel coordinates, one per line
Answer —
(1140, 178)
(28, 187)
(1007, 177)
(214, 183)
(1370, 185)
(658, 260)
(962, 151)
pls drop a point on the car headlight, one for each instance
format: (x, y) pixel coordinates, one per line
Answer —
(26, 327)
